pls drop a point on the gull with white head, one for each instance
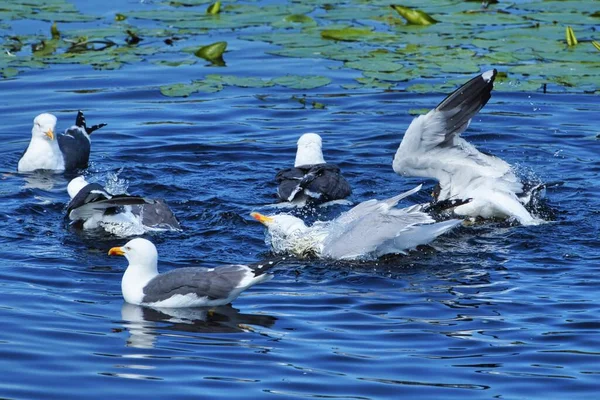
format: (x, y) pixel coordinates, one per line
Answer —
(432, 148)
(93, 207)
(311, 178)
(182, 287)
(371, 229)
(49, 151)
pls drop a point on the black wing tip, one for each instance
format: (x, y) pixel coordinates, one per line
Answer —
(479, 87)
(80, 122)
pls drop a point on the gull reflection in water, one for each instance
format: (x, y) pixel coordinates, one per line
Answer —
(145, 323)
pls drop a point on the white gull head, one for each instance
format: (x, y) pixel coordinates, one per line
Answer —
(76, 185)
(143, 260)
(43, 151)
(309, 150)
(286, 233)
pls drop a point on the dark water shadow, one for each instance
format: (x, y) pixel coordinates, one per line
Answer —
(145, 324)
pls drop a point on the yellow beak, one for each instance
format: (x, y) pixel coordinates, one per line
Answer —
(116, 251)
(263, 219)
(50, 134)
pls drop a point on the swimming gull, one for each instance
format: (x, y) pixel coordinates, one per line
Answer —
(66, 152)
(182, 287)
(371, 229)
(432, 148)
(311, 178)
(93, 206)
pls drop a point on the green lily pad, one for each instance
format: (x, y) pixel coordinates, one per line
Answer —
(413, 16)
(214, 8)
(185, 90)
(243, 82)
(302, 82)
(346, 34)
(570, 35)
(212, 52)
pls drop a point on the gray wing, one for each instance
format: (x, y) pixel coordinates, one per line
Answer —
(372, 206)
(217, 283)
(320, 181)
(157, 215)
(363, 235)
(93, 199)
(74, 144)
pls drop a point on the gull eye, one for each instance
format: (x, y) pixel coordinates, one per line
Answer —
(127, 248)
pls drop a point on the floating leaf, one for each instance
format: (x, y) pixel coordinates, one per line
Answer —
(212, 52)
(299, 19)
(184, 90)
(571, 39)
(302, 82)
(414, 17)
(239, 81)
(346, 34)
(214, 8)
(120, 17)
(318, 106)
(596, 44)
(54, 32)
(9, 72)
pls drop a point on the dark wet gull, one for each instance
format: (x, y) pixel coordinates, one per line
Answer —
(432, 148)
(311, 178)
(371, 229)
(182, 287)
(47, 151)
(93, 206)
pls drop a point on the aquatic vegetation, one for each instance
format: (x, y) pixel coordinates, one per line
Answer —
(571, 39)
(413, 16)
(524, 40)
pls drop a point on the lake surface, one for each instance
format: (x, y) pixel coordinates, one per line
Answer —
(489, 311)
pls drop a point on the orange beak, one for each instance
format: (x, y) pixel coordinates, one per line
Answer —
(50, 134)
(263, 219)
(116, 251)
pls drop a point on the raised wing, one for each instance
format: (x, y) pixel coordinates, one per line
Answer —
(432, 146)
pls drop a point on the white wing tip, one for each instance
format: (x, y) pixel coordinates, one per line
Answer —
(488, 75)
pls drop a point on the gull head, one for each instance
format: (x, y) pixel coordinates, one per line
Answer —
(139, 252)
(76, 185)
(289, 234)
(43, 127)
(309, 150)
(282, 224)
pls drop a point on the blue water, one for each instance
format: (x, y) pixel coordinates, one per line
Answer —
(490, 311)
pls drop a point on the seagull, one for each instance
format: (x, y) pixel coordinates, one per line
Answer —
(371, 229)
(432, 148)
(311, 178)
(93, 206)
(48, 151)
(182, 287)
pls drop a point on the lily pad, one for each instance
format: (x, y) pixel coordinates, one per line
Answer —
(212, 52)
(413, 16)
(185, 90)
(302, 82)
(214, 8)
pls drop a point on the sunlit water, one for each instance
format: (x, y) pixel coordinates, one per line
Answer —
(487, 311)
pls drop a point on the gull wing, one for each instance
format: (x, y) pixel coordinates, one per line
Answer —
(432, 146)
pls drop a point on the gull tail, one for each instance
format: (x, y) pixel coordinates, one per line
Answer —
(80, 122)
